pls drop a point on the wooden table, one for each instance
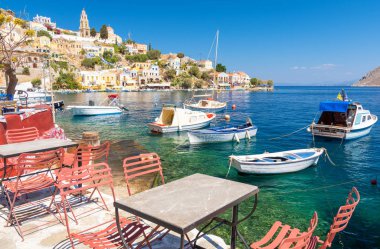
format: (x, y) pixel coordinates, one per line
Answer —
(41, 145)
(184, 204)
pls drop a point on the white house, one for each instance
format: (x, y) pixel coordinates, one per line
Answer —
(207, 64)
(44, 21)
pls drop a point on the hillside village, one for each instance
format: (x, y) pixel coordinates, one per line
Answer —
(101, 60)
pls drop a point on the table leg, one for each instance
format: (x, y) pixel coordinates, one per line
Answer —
(182, 241)
(233, 226)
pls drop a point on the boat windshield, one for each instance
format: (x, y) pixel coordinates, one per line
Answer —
(167, 116)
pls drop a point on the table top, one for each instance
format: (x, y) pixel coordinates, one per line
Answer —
(184, 204)
(11, 150)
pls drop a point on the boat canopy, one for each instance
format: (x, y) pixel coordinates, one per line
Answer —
(334, 106)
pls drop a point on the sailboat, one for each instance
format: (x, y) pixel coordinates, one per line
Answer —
(198, 103)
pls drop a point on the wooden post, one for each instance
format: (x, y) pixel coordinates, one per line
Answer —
(91, 138)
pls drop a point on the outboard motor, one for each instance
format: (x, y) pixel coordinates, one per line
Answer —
(91, 103)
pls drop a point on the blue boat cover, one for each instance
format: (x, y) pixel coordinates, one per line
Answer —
(334, 106)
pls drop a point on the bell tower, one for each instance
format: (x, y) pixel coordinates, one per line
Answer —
(84, 27)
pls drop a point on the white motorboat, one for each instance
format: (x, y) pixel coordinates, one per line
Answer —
(223, 134)
(342, 119)
(113, 107)
(174, 119)
(278, 162)
(208, 104)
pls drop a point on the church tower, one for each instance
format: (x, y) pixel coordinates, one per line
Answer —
(84, 27)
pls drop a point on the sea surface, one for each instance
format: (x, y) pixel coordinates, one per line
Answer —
(290, 198)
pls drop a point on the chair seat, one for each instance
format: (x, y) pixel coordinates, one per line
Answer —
(109, 237)
(32, 184)
(283, 231)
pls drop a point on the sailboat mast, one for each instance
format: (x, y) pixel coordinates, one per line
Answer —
(216, 53)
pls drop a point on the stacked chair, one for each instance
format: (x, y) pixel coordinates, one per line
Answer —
(282, 236)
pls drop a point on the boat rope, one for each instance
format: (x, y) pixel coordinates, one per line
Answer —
(327, 156)
(286, 135)
(229, 167)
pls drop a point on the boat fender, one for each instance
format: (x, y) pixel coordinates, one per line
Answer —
(227, 117)
(236, 138)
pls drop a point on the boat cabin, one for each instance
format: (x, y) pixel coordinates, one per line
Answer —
(340, 113)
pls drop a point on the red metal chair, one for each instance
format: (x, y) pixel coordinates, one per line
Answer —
(88, 154)
(282, 236)
(21, 135)
(73, 181)
(341, 219)
(34, 173)
(145, 164)
(17, 136)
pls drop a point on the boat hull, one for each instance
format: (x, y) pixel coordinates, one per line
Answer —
(275, 168)
(95, 110)
(156, 128)
(346, 135)
(207, 109)
(215, 137)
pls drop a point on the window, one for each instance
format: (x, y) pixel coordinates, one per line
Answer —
(363, 119)
(369, 117)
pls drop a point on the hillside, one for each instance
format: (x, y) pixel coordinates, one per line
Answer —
(372, 78)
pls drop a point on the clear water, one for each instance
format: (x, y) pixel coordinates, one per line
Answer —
(291, 198)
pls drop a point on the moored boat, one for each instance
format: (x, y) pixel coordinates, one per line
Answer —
(223, 134)
(342, 119)
(174, 119)
(278, 162)
(208, 104)
(113, 107)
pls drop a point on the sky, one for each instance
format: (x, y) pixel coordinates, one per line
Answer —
(288, 41)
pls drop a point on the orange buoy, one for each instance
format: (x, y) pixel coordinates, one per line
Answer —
(233, 107)
(374, 181)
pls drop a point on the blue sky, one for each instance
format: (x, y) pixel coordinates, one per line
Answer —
(292, 41)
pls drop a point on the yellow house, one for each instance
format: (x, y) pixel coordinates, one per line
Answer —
(141, 65)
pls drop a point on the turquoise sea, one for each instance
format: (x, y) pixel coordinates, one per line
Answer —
(291, 198)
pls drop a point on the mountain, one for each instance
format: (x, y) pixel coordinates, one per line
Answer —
(372, 78)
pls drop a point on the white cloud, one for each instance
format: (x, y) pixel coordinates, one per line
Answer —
(326, 66)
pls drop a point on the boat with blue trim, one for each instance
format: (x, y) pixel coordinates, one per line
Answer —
(223, 134)
(342, 119)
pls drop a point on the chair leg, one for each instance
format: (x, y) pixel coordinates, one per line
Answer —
(12, 213)
(67, 222)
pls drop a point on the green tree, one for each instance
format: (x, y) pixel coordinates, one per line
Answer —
(104, 32)
(254, 82)
(194, 71)
(205, 76)
(180, 55)
(91, 62)
(66, 81)
(130, 41)
(93, 32)
(82, 52)
(137, 58)
(170, 74)
(149, 46)
(36, 82)
(44, 33)
(110, 57)
(153, 54)
(270, 83)
(198, 84)
(26, 71)
(220, 68)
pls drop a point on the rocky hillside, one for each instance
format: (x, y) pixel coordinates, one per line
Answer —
(372, 78)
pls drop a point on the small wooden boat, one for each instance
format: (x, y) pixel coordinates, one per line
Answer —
(174, 119)
(223, 134)
(342, 119)
(113, 107)
(278, 162)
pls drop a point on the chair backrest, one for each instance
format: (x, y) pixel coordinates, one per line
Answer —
(79, 179)
(91, 154)
(21, 135)
(31, 162)
(302, 241)
(143, 164)
(342, 217)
